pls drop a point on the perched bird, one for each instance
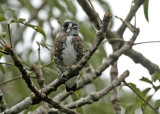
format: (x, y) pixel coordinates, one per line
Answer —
(68, 50)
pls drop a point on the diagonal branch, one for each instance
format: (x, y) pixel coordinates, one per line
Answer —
(95, 96)
(139, 58)
(129, 17)
(56, 105)
(86, 7)
(25, 74)
(114, 97)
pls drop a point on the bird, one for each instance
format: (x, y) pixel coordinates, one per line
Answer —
(68, 50)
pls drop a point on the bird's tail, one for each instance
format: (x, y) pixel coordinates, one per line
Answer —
(71, 84)
(74, 88)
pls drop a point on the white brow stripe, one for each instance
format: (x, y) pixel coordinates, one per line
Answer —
(70, 25)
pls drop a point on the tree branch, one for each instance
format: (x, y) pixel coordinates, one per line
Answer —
(129, 17)
(114, 96)
(141, 97)
(40, 79)
(23, 71)
(86, 7)
(95, 96)
(139, 58)
(56, 105)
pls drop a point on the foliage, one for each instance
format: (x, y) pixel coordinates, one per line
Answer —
(145, 9)
(46, 18)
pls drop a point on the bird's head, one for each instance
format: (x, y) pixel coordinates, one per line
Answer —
(71, 28)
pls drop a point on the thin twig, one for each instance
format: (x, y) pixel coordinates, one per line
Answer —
(47, 64)
(16, 78)
(24, 62)
(127, 23)
(7, 63)
(146, 42)
(9, 32)
(2, 44)
(41, 80)
(141, 97)
(3, 40)
(4, 52)
(96, 14)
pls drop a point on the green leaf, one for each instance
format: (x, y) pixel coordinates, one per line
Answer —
(146, 91)
(23, 21)
(157, 104)
(2, 17)
(130, 109)
(156, 88)
(136, 89)
(145, 9)
(155, 76)
(147, 98)
(146, 80)
(2, 68)
(1, 54)
(3, 34)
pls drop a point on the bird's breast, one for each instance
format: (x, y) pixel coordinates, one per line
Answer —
(68, 52)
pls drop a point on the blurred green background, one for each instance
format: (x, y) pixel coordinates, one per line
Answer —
(48, 14)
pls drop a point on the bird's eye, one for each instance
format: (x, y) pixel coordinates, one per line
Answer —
(75, 27)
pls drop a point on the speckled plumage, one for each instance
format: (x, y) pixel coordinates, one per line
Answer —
(68, 50)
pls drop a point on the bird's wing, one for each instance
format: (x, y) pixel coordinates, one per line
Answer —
(79, 47)
(58, 47)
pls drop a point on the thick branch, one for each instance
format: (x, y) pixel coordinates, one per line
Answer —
(139, 58)
(56, 105)
(20, 106)
(23, 71)
(95, 96)
(114, 96)
(40, 79)
(86, 7)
